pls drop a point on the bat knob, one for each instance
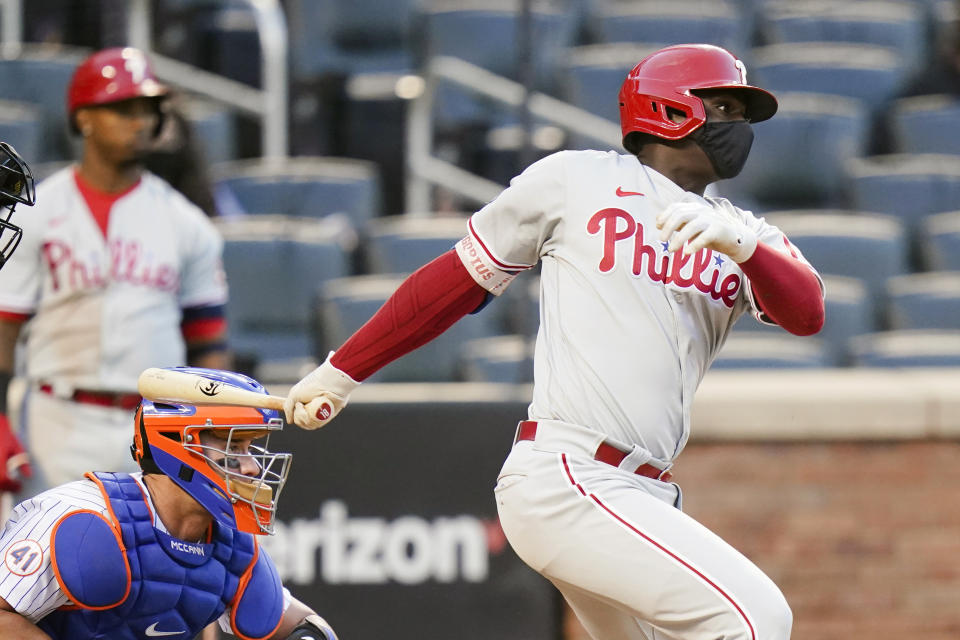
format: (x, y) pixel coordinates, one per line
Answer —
(325, 411)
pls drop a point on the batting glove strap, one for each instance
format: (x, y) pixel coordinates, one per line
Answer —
(313, 627)
(694, 226)
(319, 397)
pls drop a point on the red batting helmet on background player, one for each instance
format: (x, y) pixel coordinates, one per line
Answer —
(110, 76)
(669, 78)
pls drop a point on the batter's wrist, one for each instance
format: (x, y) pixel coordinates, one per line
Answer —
(746, 247)
(334, 379)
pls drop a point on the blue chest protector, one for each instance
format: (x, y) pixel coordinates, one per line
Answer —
(131, 581)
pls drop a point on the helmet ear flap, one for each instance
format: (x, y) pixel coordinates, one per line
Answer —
(140, 449)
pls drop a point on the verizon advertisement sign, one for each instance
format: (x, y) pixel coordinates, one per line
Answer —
(388, 525)
(335, 548)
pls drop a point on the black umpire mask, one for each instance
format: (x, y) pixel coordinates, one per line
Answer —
(727, 144)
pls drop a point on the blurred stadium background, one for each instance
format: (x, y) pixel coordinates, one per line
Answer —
(346, 141)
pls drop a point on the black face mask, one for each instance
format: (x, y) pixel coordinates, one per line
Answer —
(727, 144)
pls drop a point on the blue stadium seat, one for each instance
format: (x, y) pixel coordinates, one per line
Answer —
(484, 32)
(213, 127)
(402, 244)
(310, 25)
(850, 311)
(926, 124)
(716, 22)
(346, 304)
(273, 264)
(768, 351)
(21, 127)
(502, 359)
(899, 25)
(358, 36)
(303, 186)
(592, 75)
(871, 248)
(944, 16)
(940, 246)
(40, 76)
(798, 157)
(908, 186)
(232, 43)
(869, 73)
(503, 148)
(908, 348)
(929, 300)
(371, 24)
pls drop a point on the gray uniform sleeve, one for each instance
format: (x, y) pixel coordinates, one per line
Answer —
(510, 234)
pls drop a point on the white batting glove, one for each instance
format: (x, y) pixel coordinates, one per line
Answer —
(693, 226)
(319, 396)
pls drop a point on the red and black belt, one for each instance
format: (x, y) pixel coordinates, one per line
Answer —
(115, 399)
(606, 452)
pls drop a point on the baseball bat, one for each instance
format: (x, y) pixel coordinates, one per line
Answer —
(179, 386)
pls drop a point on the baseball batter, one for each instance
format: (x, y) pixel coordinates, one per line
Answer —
(642, 280)
(163, 552)
(117, 272)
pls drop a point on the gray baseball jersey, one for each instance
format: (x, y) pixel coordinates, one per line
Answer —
(621, 320)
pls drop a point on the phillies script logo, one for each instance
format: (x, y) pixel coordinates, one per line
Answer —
(703, 273)
(126, 261)
(209, 388)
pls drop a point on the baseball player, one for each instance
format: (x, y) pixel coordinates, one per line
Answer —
(16, 186)
(162, 552)
(117, 272)
(642, 280)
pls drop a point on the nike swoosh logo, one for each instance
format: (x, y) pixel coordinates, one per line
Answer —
(152, 631)
(623, 194)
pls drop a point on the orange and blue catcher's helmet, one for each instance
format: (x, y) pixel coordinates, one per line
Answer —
(173, 439)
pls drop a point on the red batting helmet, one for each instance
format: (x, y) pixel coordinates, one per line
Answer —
(667, 79)
(112, 75)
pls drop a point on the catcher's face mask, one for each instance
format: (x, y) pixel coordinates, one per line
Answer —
(209, 452)
(16, 186)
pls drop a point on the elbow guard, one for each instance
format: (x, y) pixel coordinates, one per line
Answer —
(313, 627)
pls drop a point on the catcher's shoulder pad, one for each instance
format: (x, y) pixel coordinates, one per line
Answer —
(258, 611)
(89, 560)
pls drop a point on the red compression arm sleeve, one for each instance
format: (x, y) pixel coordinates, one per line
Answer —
(425, 305)
(786, 290)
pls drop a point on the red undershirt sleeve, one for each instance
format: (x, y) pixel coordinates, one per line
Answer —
(425, 305)
(786, 290)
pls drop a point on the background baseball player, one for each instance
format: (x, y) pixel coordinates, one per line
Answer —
(642, 280)
(117, 272)
(16, 186)
(163, 552)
